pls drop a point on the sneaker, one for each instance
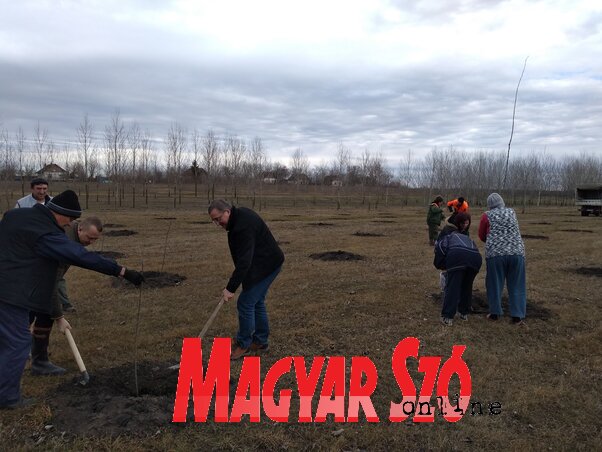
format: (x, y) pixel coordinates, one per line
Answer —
(447, 322)
(259, 348)
(492, 317)
(238, 352)
(464, 317)
(21, 403)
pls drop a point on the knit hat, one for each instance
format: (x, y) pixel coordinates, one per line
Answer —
(494, 200)
(65, 203)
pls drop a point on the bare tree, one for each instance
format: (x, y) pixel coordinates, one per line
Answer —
(176, 147)
(85, 138)
(235, 152)
(115, 137)
(40, 137)
(210, 159)
(299, 163)
(20, 148)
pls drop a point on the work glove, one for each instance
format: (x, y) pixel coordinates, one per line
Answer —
(133, 276)
(450, 208)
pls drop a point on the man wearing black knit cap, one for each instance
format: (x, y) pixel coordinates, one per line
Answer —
(32, 243)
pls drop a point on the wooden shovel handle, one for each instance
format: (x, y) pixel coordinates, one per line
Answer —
(212, 318)
(78, 357)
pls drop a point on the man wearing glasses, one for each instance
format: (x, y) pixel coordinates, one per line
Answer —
(257, 261)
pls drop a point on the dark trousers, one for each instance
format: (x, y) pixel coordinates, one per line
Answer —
(41, 335)
(458, 292)
(15, 341)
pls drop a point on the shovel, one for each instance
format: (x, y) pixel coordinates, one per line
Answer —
(84, 378)
(206, 327)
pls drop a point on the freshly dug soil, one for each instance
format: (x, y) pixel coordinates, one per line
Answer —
(481, 306)
(337, 256)
(165, 218)
(368, 234)
(153, 280)
(578, 230)
(321, 224)
(535, 237)
(113, 225)
(589, 271)
(120, 233)
(108, 405)
(111, 254)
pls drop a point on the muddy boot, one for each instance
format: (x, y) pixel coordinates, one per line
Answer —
(40, 364)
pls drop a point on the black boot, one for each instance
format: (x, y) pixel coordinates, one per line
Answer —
(40, 364)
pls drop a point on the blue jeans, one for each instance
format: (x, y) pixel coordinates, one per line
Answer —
(15, 343)
(512, 270)
(253, 323)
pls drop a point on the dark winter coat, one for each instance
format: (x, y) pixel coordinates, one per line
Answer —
(457, 251)
(254, 250)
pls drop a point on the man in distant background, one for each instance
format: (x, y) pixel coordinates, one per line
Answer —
(39, 194)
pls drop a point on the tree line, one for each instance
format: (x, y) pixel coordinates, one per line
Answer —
(124, 153)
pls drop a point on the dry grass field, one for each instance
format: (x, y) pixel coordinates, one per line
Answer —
(546, 375)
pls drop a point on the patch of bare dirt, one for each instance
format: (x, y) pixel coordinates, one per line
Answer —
(368, 234)
(111, 254)
(165, 218)
(120, 233)
(535, 237)
(337, 256)
(283, 242)
(113, 225)
(383, 221)
(541, 222)
(578, 230)
(321, 224)
(589, 271)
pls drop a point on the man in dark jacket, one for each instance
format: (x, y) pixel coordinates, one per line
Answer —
(32, 243)
(257, 261)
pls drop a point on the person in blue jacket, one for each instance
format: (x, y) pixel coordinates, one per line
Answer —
(458, 255)
(32, 243)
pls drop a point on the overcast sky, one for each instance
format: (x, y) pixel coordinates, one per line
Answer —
(384, 75)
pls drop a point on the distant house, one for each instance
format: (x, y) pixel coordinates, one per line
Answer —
(269, 180)
(53, 172)
(299, 179)
(333, 180)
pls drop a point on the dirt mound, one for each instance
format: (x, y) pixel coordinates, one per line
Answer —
(368, 234)
(541, 222)
(111, 254)
(153, 280)
(113, 225)
(578, 230)
(589, 271)
(199, 222)
(337, 256)
(383, 221)
(108, 405)
(535, 237)
(165, 218)
(120, 233)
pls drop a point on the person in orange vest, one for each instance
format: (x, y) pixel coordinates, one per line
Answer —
(458, 205)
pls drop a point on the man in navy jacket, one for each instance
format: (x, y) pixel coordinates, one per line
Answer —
(32, 243)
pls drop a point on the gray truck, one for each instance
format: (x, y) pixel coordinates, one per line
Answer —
(589, 199)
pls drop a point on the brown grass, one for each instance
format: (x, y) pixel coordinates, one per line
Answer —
(546, 375)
